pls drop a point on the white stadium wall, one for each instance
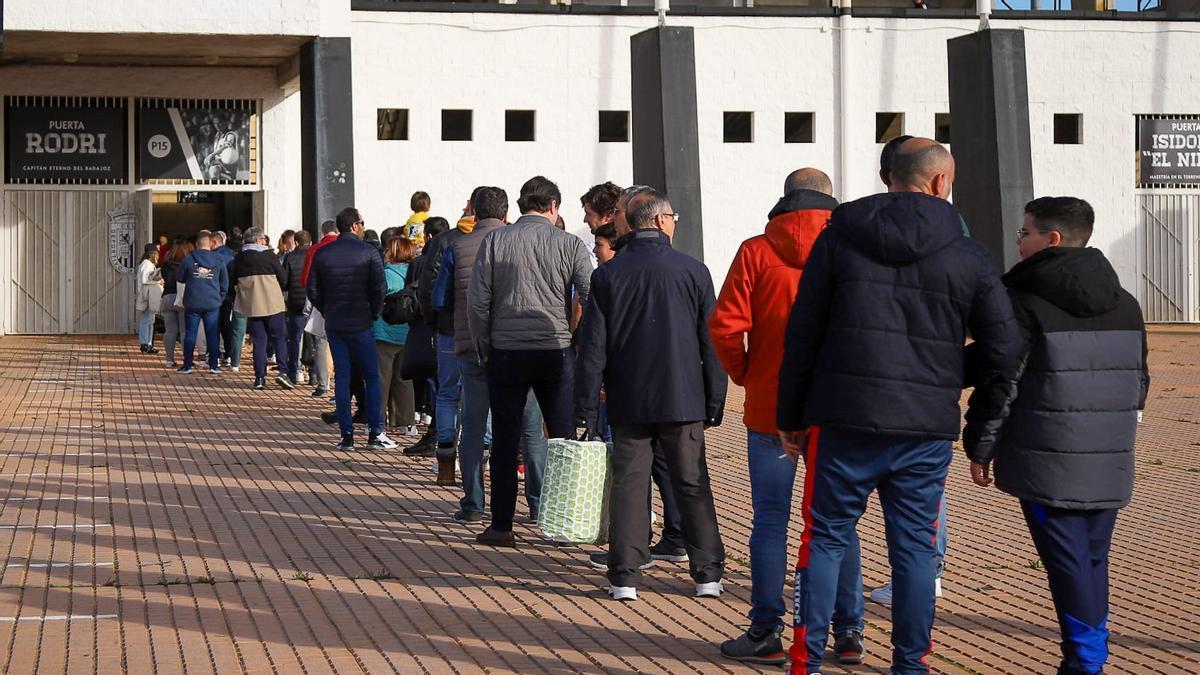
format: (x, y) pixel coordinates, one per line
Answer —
(567, 68)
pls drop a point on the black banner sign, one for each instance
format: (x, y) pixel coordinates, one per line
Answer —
(1168, 151)
(63, 143)
(204, 145)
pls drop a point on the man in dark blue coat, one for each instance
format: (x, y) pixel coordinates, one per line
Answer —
(650, 297)
(873, 356)
(346, 285)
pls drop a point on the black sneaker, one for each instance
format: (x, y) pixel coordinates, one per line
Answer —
(600, 561)
(849, 647)
(319, 392)
(260, 383)
(668, 552)
(426, 447)
(468, 516)
(347, 443)
(329, 417)
(285, 381)
(761, 647)
(151, 349)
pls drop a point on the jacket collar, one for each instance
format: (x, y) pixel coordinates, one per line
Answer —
(533, 219)
(646, 237)
(487, 224)
(803, 200)
(348, 235)
(329, 237)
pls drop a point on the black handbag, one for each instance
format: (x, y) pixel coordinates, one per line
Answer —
(420, 352)
(402, 306)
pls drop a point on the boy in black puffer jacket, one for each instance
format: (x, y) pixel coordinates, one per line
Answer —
(1065, 448)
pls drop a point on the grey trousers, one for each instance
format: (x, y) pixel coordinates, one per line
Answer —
(399, 403)
(321, 362)
(629, 529)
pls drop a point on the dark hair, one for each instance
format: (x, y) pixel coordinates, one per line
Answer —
(435, 225)
(1071, 217)
(888, 154)
(607, 232)
(303, 238)
(370, 235)
(538, 195)
(387, 234)
(346, 218)
(489, 202)
(287, 234)
(641, 209)
(420, 201)
(602, 198)
(149, 250)
(328, 227)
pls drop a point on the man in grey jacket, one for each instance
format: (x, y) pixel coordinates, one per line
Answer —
(521, 297)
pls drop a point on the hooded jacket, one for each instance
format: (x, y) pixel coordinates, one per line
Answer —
(1068, 438)
(645, 338)
(206, 281)
(434, 250)
(875, 340)
(751, 314)
(260, 281)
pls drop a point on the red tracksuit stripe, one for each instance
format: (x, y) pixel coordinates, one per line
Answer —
(799, 648)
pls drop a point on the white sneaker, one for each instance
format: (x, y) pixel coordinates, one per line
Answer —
(883, 594)
(622, 592)
(712, 589)
(411, 431)
(234, 368)
(426, 419)
(381, 442)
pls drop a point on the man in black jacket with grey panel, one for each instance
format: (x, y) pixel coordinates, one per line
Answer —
(1065, 445)
(645, 338)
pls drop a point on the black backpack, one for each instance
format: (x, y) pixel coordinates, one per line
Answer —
(401, 306)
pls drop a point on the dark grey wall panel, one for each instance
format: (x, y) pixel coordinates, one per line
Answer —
(327, 130)
(666, 139)
(989, 136)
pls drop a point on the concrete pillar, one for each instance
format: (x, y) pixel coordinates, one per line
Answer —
(989, 136)
(327, 130)
(666, 139)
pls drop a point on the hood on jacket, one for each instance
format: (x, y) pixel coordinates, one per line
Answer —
(466, 224)
(1080, 281)
(792, 228)
(208, 258)
(899, 227)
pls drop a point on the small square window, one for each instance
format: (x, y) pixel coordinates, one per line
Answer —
(941, 127)
(614, 126)
(798, 127)
(519, 125)
(1068, 129)
(888, 125)
(456, 125)
(392, 124)
(739, 127)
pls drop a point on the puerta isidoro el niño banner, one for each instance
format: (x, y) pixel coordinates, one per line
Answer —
(1168, 151)
(209, 145)
(64, 143)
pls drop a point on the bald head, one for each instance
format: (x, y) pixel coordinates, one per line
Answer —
(808, 179)
(923, 165)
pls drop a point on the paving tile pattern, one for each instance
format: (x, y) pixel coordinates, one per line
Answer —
(153, 522)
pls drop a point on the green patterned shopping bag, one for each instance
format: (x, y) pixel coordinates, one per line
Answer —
(574, 504)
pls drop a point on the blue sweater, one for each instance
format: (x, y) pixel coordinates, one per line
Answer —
(207, 281)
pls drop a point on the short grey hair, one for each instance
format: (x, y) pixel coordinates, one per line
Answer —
(252, 235)
(644, 207)
(219, 235)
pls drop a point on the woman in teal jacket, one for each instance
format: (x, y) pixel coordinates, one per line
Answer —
(397, 393)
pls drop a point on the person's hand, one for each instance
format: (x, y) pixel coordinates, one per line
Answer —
(793, 443)
(980, 474)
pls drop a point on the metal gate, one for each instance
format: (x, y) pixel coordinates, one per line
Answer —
(1168, 224)
(61, 255)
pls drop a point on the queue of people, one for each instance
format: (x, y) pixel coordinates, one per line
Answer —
(854, 329)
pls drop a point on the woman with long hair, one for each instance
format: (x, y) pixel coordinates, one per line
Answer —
(148, 298)
(172, 312)
(397, 393)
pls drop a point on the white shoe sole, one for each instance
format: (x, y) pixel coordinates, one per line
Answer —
(622, 593)
(712, 589)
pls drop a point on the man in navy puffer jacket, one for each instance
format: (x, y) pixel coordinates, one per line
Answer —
(873, 356)
(346, 285)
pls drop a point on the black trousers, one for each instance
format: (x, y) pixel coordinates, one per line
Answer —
(225, 325)
(672, 521)
(511, 374)
(682, 444)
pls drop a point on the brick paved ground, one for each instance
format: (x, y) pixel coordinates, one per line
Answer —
(156, 522)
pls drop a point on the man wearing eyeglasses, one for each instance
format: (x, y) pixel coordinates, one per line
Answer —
(645, 339)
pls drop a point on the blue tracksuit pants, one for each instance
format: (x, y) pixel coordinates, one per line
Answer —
(1073, 546)
(844, 467)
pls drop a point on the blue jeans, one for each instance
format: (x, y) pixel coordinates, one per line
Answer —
(449, 390)
(358, 348)
(212, 335)
(771, 480)
(145, 323)
(295, 332)
(844, 467)
(477, 432)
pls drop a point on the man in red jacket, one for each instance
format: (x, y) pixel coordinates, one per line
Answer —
(747, 330)
(329, 234)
